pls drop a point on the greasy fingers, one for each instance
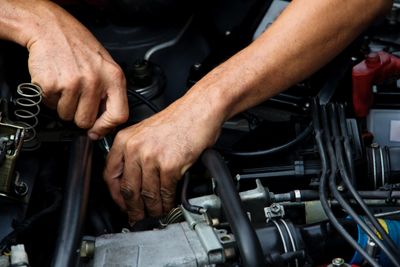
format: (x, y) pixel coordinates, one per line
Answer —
(75, 72)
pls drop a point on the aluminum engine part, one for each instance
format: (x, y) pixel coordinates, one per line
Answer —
(176, 245)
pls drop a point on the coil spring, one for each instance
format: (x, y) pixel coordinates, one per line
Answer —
(27, 108)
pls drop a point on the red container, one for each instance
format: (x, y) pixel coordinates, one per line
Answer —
(376, 68)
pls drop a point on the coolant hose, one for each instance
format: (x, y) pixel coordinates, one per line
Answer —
(74, 203)
(247, 241)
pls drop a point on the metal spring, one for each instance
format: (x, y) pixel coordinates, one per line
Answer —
(27, 108)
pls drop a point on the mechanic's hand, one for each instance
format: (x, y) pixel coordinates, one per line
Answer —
(147, 159)
(76, 73)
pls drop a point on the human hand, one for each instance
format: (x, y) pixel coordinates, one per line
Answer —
(147, 159)
(76, 73)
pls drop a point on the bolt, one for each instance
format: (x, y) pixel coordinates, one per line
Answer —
(87, 249)
(340, 188)
(275, 208)
(338, 262)
(215, 222)
(21, 189)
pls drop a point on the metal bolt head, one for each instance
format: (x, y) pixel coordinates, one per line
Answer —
(338, 262)
(275, 208)
(340, 188)
(87, 249)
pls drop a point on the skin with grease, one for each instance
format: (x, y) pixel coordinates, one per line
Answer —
(147, 159)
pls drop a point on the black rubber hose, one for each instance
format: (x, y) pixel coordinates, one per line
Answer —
(247, 241)
(310, 195)
(262, 153)
(392, 252)
(75, 203)
(320, 140)
(185, 202)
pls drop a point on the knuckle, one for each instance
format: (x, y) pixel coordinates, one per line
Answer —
(74, 83)
(117, 73)
(131, 144)
(121, 117)
(148, 157)
(167, 193)
(169, 169)
(150, 197)
(127, 192)
(84, 123)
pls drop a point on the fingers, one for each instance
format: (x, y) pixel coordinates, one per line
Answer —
(151, 192)
(116, 111)
(67, 105)
(87, 109)
(113, 172)
(167, 191)
(130, 191)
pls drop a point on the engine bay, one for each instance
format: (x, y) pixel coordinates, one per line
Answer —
(310, 177)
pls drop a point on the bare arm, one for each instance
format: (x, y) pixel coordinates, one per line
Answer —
(304, 38)
(75, 72)
(148, 159)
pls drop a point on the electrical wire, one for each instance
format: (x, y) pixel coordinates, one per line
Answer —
(322, 187)
(307, 131)
(346, 179)
(185, 202)
(333, 187)
(346, 142)
(28, 223)
(145, 101)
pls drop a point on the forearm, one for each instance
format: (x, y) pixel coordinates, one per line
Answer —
(306, 36)
(21, 21)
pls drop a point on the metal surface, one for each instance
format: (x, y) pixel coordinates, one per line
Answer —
(11, 137)
(176, 245)
(274, 211)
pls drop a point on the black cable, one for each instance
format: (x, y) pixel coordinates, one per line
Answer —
(145, 101)
(307, 131)
(28, 223)
(310, 195)
(346, 179)
(346, 143)
(185, 202)
(246, 238)
(322, 187)
(341, 200)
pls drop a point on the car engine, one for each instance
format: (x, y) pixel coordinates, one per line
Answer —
(310, 177)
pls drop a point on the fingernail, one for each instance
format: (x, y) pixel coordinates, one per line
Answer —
(93, 136)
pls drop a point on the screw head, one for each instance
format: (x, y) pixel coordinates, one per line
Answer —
(338, 262)
(275, 208)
